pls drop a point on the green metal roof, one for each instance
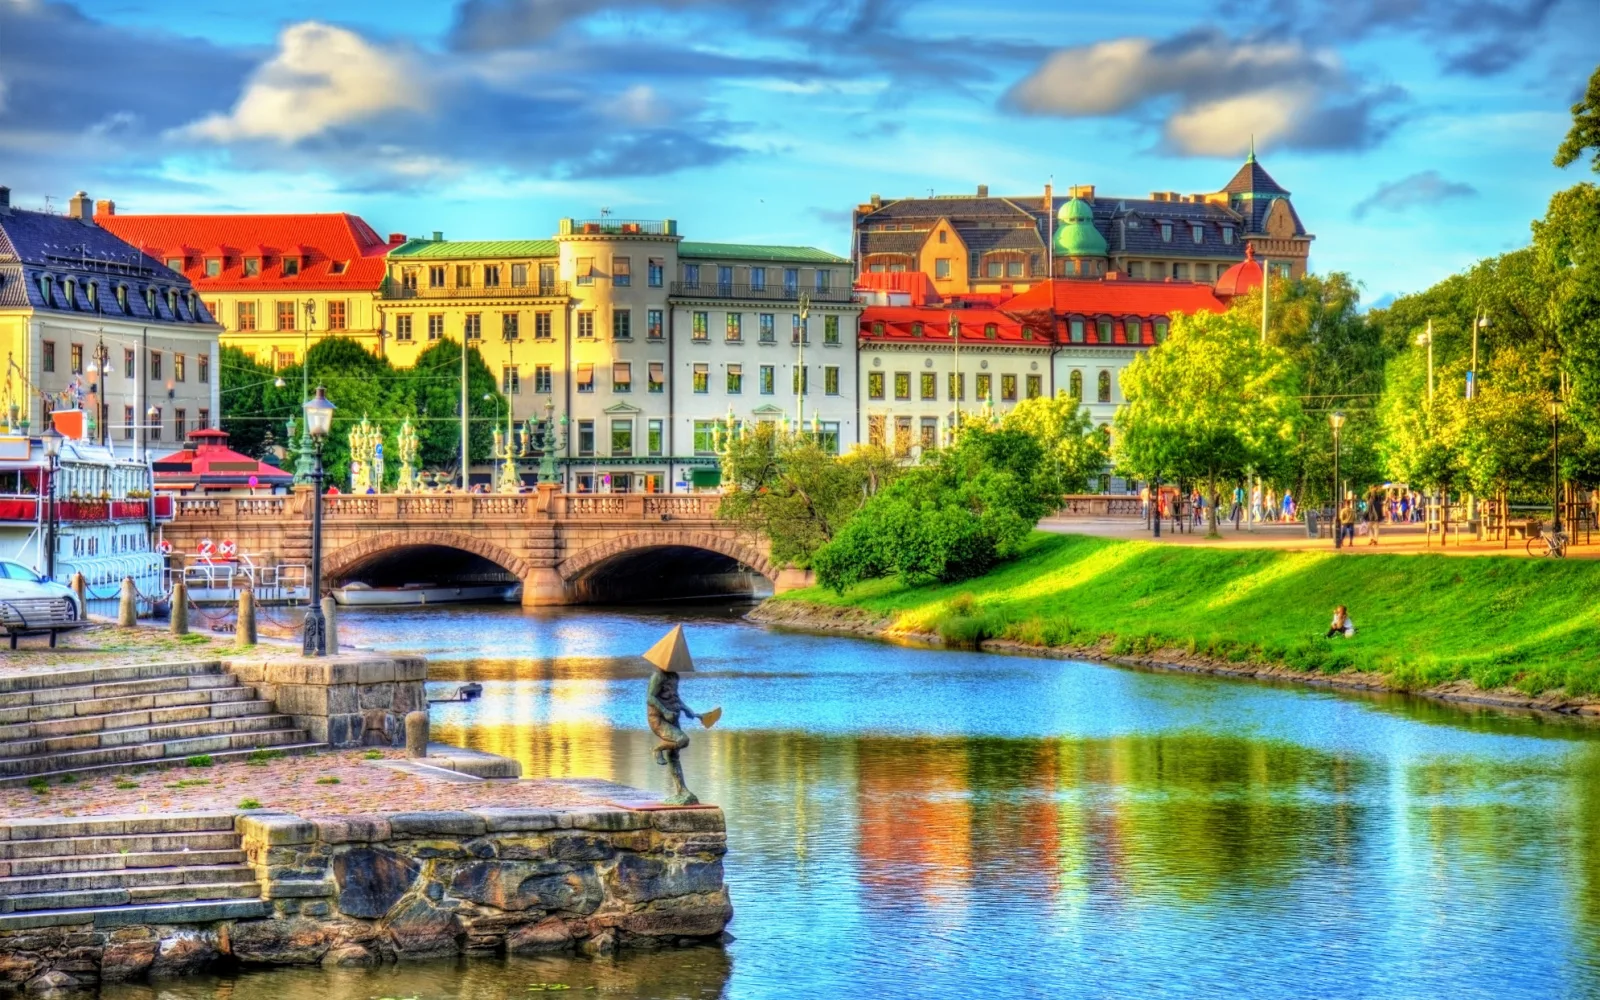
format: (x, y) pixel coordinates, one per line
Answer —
(475, 248)
(750, 251)
(1076, 235)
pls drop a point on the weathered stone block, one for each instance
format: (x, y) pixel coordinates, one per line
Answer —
(375, 672)
(511, 820)
(603, 818)
(437, 824)
(298, 888)
(420, 929)
(295, 941)
(577, 847)
(352, 829)
(378, 696)
(524, 885)
(278, 830)
(128, 954)
(550, 934)
(640, 879)
(372, 880)
(698, 820)
(184, 952)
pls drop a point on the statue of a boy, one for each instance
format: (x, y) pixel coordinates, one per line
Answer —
(663, 706)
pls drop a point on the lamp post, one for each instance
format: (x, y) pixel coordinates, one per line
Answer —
(98, 368)
(800, 362)
(319, 421)
(53, 440)
(1336, 418)
(1555, 464)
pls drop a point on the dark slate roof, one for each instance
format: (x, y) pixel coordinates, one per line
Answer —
(39, 244)
(1252, 178)
(1012, 238)
(954, 209)
(893, 242)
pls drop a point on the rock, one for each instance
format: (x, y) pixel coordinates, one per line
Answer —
(436, 824)
(352, 829)
(53, 981)
(294, 941)
(183, 953)
(578, 847)
(639, 879)
(129, 953)
(419, 928)
(417, 734)
(371, 880)
(17, 967)
(524, 885)
(551, 934)
(350, 956)
(700, 916)
(604, 943)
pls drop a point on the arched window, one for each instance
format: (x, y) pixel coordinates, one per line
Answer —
(1135, 330)
(1161, 329)
(916, 329)
(122, 299)
(1075, 385)
(1103, 330)
(1105, 386)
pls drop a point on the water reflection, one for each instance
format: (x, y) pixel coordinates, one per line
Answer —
(916, 823)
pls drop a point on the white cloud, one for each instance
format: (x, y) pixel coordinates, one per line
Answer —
(640, 105)
(321, 78)
(1228, 126)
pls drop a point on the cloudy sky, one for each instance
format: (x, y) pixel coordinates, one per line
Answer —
(1416, 135)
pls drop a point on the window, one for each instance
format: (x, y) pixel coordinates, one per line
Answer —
(436, 276)
(252, 267)
(702, 378)
(654, 437)
(769, 328)
(1102, 331)
(995, 268)
(1227, 236)
(691, 275)
(402, 329)
(1160, 325)
(902, 385)
(735, 379)
(491, 275)
(875, 430)
(180, 367)
(122, 301)
(463, 275)
(735, 327)
(586, 325)
(586, 437)
(941, 267)
(791, 280)
(621, 376)
(1133, 330)
(768, 380)
(203, 420)
(653, 324)
(902, 436)
(586, 377)
(1035, 386)
(622, 271)
(286, 315)
(973, 263)
(724, 280)
(541, 325)
(1104, 388)
(472, 326)
(282, 359)
(174, 263)
(758, 279)
(244, 315)
(153, 431)
(929, 385)
(213, 266)
(985, 387)
(702, 324)
(991, 331)
(1180, 272)
(830, 330)
(541, 379)
(824, 279)
(510, 380)
(830, 380)
(930, 433)
(204, 361)
(1198, 232)
(1136, 269)
(705, 437)
(155, 366)
(1008, 388)
(622, 324)
(435, 326)
(179, 418)
(802, 380)
(127, 423)
(1013, 268)
(1075, 328)
(291, 266)
(77, 359)
(656, 377)
(337, 314)
(874, 385)
(621, 438)
(127, 363)
(547, 278)
(828, 436)
(1166, 232)
(958, 386)
(656, 268)
(519, 276)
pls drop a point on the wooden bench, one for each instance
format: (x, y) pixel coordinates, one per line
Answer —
(38, 616)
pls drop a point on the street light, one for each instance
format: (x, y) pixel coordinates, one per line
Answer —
(319, 420)
(1336, 418)
(53, 439)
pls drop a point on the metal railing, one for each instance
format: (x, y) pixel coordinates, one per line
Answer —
(1099, 505)
(455, 507)
(393, 291)
(620, 227)
(778, 292)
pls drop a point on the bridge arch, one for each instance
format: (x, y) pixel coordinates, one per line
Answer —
(577, 565)
(342, 560)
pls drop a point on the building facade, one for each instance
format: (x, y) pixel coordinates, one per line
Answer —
(985, 245)
(88, 321)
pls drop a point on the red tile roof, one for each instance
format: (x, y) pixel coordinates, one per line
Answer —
(1117, 297)
(206, 460)
(898, 325)
(1242, 277)
(321, 241)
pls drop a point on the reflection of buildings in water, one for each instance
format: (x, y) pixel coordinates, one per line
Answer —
(915, 832)
(549, 716)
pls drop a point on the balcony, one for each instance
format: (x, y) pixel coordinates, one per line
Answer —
(393, 291)
(619, 227)
(759, 293)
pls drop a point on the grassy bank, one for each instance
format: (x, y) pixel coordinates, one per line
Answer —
(1422, 620)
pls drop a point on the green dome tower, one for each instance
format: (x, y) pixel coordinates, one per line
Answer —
(1078, 244)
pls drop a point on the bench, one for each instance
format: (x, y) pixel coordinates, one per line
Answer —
(21, 616)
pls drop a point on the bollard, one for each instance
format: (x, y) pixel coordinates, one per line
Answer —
(245, 632)
(179, 619)
(330, 627)
(80, 586)
(128, 607)
(416, 734)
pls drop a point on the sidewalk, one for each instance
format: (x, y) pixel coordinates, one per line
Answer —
(1395, 539)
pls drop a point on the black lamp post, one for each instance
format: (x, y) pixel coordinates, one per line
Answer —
(53, 440)
(319, 420)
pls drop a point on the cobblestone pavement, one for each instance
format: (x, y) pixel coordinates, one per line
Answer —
(102, 645)
(1392, 539)
(330, 783)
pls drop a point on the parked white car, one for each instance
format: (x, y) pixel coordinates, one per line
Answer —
(32, 605)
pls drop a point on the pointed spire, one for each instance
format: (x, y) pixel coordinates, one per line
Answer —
(1252, 157)
(671, 652)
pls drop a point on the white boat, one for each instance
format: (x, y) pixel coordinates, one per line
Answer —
(363, 595)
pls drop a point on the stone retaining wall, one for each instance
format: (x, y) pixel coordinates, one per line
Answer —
(361, 890)
(345, 701)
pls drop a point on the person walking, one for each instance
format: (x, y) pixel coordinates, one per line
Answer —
(1288, 507)
(1255, 503)
(1237, 513)
(1144, 504)
(1374, 514)
(1346, 525)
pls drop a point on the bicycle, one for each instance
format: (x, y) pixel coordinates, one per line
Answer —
(1553, 544)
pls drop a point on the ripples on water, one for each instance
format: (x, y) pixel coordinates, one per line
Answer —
(925, 823)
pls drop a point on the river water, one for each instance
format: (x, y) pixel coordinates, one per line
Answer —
(907, 822)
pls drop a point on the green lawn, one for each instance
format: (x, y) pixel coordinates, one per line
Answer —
(1421, 620)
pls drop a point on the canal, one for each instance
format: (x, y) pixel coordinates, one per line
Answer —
(908, 822)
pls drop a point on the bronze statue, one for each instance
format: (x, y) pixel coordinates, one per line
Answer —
(663, 706)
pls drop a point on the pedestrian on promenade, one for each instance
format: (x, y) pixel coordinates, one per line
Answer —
(1269, 511)
(1144, 504)
(1342, 624)
(1374, 514)
(1346, 525)
(1288, 507)
(1255, 503)
(1237, 513)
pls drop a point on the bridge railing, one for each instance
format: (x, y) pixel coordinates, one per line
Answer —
(453, 507)
(1099, 505)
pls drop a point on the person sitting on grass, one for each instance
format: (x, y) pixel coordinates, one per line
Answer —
(1342, 625)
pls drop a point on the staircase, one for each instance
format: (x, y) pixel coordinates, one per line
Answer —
(87, 722)
(113, 871)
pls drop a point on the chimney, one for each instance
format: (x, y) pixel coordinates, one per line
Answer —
(983, 190)
(877, 201)
(395, 239)
(105, 206)
(438, 236)
(5, 198)
(81, 208)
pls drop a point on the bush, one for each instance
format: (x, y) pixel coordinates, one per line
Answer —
(260, 757)
(249, 804)
(198, 760)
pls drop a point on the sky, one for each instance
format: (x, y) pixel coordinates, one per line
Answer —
(1415, 135)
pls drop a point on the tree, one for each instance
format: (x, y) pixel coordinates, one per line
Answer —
(246, 390)
(361, 385)
(1209, 405)
(1074, 449)
(1585, 133)
(435, 383)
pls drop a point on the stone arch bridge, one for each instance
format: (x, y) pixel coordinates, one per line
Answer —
(564, 548)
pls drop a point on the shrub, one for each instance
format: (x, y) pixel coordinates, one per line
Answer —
(372, 755)
(260, 757)
(198, 760)
(249, 804)
(327, 779)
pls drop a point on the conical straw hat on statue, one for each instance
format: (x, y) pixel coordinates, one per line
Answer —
(672, 652)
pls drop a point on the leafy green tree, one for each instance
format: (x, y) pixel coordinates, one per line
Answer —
(1585, 133)
(435, 382)
(1422, 442)
(246, 392)
(359, 384)
(1209, 405)
(1074, 449)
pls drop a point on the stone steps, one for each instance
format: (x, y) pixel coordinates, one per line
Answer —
(127, 878)
(102, 739)
(143, 914)
(20, 769)
(298, 743)
(67, 718)
(90, 863)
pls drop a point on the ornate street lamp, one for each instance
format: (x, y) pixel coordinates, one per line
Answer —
(1336, 418)
(319, 421)
(53, 439)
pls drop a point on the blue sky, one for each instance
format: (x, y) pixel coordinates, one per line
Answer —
(1416, 135)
